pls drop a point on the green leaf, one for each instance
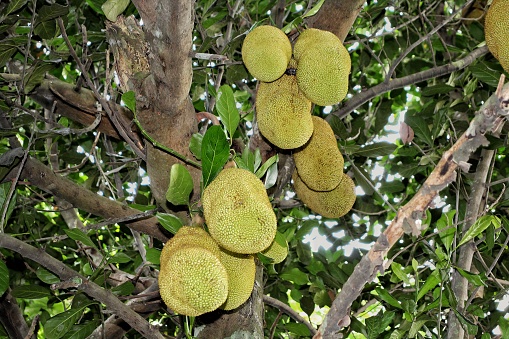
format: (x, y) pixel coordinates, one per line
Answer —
(123, 289)
(475, 279)
(271, 177)
(181, 185)
(431, 282)
(314, 9)
(298, 329)
(261, 171)
(96, 5)
(387, 297)
(30, 292)
(47, 29)
(113, 8)
(82, 331)
(5, 53)
(170, 222)
(362, 179)
(504, 326)
(4, 194)
(398, 271)
(338, 127)
(421, 129)
(227, 109)
(153, 255)
(4, 278)
(129, 99)
(437, 89)
(119, 258)
(78, 235)
(46, 276)
(485, 73)
(195, 145)
(59, 325)
(479, 226)
(376, 325)
(417, 325)
(378, 149)
(446, 228)
(295, 275)
(215, 151)
(36, 75)
(50, 12)
(13, 6)
(471, 328)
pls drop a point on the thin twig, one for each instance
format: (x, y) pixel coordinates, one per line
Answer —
(288, 310)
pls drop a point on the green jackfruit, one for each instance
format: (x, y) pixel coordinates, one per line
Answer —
(320, 162)
(266, 52)
(323, 67)
(241, 269)
(330, 204)
(278, 250)
(311, 36)
(496, 30)
(238, 212)
(283, 113)
(189, 235)
(193, 281)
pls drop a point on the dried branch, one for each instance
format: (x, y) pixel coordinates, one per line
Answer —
(93, 290)
(489, 117)
(385, 87)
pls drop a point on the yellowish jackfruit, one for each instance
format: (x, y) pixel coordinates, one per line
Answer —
(283, 113)
(189, 235)
(241, 269)
(266, 52)
(311, 36)
(238, 212)
(496, 30)
(323, 73)
(320, 162)
(278, 250)
(193, 281)
(330, 204)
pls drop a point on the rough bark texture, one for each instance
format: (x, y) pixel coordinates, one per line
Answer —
(11, 317)
(336, 16)
(168, 114)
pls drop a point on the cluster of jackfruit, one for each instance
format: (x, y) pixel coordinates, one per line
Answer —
(203, 271)
(318, 178)
(317, 73)
(496, 30)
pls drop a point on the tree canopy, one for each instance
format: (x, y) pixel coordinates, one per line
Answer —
(115, 115)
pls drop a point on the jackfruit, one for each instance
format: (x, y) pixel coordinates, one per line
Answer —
(238, 212)
(278, 250)
(266, 52)
(193, 281)
(496, 30)
(311, 36)
(283, 113)
(330, 204)
(323, 66)
(320, 162)
(188, 235)
(241, 269)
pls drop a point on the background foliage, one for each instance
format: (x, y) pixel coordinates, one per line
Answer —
(389, 40)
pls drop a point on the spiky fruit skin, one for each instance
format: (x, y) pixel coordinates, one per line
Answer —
(496, 30)
(320, 162)
(238, 212)
(278, 250)
(266, 52)
(283, 113)
(330, 204)
(188, 235)
(323, 73)
(193, 281)
(241, 269)
(311, 36)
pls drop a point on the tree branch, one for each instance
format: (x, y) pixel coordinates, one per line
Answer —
(93, 290)
(43, 177)
(491, 114)
(288, 310)
(385, 87)
(11, 316)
